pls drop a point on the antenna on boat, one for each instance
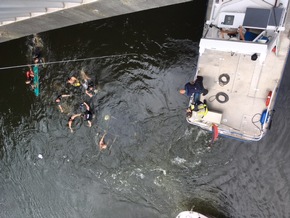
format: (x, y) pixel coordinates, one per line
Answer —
(212, 25)
(193, 206)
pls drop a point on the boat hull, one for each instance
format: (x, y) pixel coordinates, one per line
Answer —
(190, 214)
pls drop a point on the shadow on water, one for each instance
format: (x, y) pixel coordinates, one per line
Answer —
(155, 165)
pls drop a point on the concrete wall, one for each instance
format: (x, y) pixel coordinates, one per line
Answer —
(15, 10)
(88, 12)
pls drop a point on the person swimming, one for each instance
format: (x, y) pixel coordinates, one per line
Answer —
(91, 91)
(37, 50)
(85, 79)
(88, 84)
(29, 76)
(102, 143)
(58, 101)
(74, 81)
(70, 121)
(87, 115)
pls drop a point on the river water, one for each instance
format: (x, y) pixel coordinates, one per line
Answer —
(156, 165)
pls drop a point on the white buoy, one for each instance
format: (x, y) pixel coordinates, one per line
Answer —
(40, 156)
(107, 117)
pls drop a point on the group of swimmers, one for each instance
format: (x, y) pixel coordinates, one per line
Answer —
(85, 108)
(86, 83)
(86, 113)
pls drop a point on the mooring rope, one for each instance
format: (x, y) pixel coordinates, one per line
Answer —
(66, 61)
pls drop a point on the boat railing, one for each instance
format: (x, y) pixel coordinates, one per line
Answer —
(234, 46)
(231, 132)
(259, 36)
(228, 131)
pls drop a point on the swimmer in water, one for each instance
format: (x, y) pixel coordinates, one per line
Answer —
(87, 115)
(70, 120)
(37, 50)
(88, 84)
(29, 76)
(102, 143)
(58, 101)
(74, 81)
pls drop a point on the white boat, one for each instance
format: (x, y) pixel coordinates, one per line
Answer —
(242, 76)
(190, 214)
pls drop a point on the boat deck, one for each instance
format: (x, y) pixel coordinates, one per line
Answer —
(239, 85)
(248, 86)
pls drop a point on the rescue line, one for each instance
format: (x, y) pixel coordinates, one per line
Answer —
(66, 61)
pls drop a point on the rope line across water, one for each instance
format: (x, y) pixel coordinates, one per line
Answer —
(65, 61)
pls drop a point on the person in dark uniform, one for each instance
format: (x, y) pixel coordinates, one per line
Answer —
(194, 88)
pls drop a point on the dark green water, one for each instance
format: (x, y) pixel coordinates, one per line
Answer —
(156, 165)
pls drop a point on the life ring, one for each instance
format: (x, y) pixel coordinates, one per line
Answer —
(224, 98)
(268, 98)
(224, 79)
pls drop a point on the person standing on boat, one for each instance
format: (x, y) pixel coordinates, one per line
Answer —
(198, 108)
(194, 88)
(241, 33)
(246, 34)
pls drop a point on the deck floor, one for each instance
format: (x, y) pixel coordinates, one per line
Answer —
(247, 89)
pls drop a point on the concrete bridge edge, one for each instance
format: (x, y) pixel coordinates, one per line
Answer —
(88, 12)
